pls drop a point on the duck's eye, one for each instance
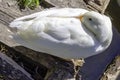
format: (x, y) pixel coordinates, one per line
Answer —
(90, 19)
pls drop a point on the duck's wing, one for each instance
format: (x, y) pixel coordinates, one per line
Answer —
(54, 12)
(36, 20)
(53, 29)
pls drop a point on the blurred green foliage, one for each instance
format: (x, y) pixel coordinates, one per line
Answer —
(1, 77)
(28, 3)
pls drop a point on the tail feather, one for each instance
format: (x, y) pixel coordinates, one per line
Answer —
(14, 25)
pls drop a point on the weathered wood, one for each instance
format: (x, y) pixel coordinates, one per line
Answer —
(24, 61)
(7, 15)
(60, 72)
(99, 5)
(68, 3)
(9, 70)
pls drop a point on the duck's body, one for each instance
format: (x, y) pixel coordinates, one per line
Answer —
(60, 32)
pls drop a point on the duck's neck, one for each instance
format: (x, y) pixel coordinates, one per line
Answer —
(104, 36)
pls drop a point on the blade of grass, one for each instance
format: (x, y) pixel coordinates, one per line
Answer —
(29, 3)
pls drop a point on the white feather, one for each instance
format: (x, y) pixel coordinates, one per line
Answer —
(58, 32)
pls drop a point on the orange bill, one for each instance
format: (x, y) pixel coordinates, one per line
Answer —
(80, 17)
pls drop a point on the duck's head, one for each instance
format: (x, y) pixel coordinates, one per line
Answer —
(99, 25)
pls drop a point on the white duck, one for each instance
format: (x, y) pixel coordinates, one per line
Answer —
(68, 33)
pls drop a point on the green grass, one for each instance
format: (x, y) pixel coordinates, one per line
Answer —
(32, 4)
